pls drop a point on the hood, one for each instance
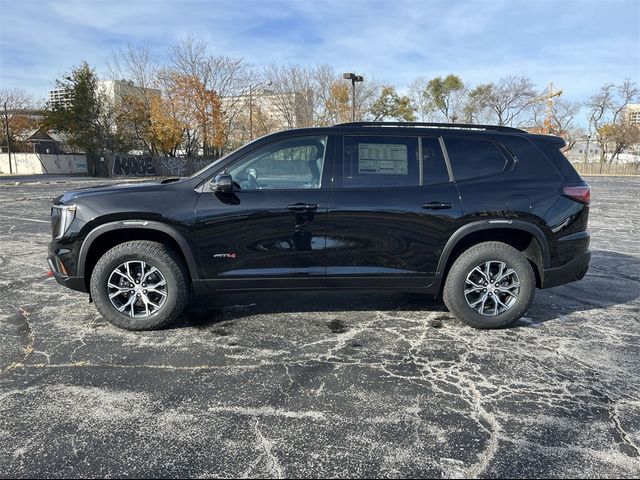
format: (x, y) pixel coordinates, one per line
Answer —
(99, 190)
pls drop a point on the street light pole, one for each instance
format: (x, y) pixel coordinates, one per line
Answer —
(6, 126)
(354, 78)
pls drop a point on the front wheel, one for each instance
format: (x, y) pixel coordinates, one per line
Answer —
(140, 285)
(490, 285)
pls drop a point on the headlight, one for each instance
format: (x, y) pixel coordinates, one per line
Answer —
(61, 218)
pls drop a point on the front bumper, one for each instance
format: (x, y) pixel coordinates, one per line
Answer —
(571, 271)
(74, 283)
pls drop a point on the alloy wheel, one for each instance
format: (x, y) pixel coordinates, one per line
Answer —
(492, 288)
(137, 289)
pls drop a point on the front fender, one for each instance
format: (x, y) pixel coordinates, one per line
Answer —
(138, 224)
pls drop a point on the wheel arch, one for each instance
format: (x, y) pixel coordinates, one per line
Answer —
(526, 237)
(108, 235)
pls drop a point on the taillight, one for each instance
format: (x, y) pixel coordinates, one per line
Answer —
(580, 193)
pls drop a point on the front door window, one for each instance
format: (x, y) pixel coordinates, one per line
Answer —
(292, 164)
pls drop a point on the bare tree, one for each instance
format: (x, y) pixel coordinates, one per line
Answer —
(133, 112)
(291, 89)
(137, 64)
(228, 77)
(16, 100)
(509, 100)
(325, 79)
(559, 119)
(420, 103)
(17, 103)
(606, 115)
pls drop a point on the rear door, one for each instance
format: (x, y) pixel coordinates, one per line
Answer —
(392, 210)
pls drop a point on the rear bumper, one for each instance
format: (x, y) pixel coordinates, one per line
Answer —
(569, 272)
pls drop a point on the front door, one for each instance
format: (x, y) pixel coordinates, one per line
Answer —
(393, 208)
(273, 226)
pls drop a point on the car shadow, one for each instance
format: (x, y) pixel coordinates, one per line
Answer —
(613, 279)
(205, 311)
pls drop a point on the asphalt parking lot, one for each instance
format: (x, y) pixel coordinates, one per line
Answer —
(321, 384)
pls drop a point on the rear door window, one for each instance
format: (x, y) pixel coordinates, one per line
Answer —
(376, 161)
(471, 158)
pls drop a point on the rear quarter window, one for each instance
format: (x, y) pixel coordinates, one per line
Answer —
(557, 158)
(471, 158)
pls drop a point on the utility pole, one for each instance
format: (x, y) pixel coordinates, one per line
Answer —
(6, 126)
(250, 112)
(586, 152)
(354, 78)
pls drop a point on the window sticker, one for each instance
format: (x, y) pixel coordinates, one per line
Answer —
(380, 158)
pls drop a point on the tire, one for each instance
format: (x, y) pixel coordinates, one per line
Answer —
(151, 310)
(464, 299)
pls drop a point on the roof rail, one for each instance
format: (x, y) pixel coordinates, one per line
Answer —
(466, 126)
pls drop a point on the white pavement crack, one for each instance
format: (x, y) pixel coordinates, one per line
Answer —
(266, 445)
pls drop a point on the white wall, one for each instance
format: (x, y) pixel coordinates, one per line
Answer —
(34, 163)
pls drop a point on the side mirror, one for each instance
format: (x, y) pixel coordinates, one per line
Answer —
(223, 183)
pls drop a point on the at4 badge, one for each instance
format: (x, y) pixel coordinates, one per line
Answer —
(224, 255)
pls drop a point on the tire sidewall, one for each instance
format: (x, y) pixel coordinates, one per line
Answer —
(475, 256)
(116, 257)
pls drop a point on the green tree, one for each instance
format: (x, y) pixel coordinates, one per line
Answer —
(89, 120)
(390, 105)
(444, 95)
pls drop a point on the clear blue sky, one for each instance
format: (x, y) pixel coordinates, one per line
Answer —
(579, 45)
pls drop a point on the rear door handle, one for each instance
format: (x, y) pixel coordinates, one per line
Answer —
(436, 205)
(301, 207)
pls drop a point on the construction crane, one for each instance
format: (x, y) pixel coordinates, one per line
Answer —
(549, 96)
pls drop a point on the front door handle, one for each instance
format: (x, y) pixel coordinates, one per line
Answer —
(437, 205)
(302, 207)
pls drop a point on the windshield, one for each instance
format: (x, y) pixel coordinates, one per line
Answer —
(207, 167)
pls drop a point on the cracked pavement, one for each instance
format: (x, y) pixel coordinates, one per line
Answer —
(321, 384)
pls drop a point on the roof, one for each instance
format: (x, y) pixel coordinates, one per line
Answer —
(455, 126)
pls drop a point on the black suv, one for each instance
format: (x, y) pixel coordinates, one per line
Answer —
(480, 214)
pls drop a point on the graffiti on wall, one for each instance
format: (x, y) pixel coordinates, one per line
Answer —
(132, 166)
(139, 166)
(173, 166)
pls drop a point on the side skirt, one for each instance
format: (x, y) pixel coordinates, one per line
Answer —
(420, 284)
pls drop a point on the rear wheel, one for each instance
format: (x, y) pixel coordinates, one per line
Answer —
(140, 285)
(490, 285)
